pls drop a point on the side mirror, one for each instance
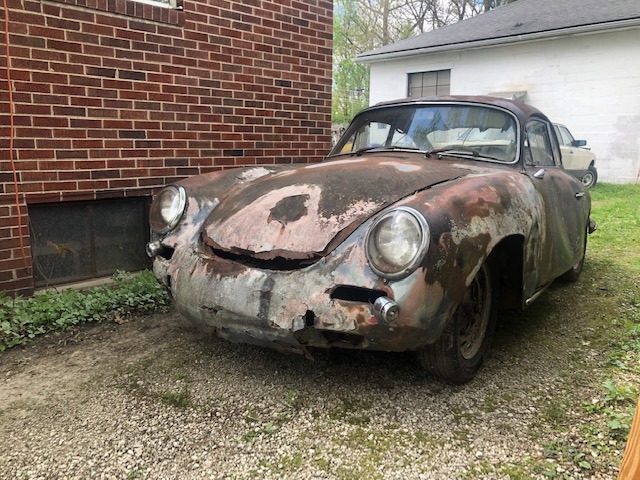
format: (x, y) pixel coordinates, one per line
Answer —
(578, 143)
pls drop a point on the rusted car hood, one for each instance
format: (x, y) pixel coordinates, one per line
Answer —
(306, 211)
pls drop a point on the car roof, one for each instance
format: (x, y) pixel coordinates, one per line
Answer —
(520, 109)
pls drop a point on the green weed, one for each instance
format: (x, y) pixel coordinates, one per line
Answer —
(177, 399)
(22, 319)
(352, 412)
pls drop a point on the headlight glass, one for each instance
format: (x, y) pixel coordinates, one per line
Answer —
(396, 242)
(167, 208)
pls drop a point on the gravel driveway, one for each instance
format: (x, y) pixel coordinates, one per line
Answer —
(153, 398)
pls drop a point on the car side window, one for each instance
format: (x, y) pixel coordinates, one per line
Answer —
(538, 147)
(565, 137)
(558, 135)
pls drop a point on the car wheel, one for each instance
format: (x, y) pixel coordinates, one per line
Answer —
(590, 178)
(458, 354)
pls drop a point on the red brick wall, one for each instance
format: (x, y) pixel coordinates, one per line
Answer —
(114, 98)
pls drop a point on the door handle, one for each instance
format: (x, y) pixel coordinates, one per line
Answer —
(539, 174)
(579, 194)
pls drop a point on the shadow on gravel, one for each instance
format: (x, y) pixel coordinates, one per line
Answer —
(532, 335)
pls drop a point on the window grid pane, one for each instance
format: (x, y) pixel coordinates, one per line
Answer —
(425, 84)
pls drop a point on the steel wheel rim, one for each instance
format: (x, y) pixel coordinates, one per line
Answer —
(587, 179)
(475, 311)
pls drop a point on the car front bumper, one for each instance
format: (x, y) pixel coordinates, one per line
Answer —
(337, 301)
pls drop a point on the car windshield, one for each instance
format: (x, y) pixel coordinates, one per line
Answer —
(475, 131)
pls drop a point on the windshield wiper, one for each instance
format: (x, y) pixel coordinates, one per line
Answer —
(453, 149)
(382, 148)
(462, 151)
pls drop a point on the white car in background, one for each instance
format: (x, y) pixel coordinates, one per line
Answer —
(577, 160)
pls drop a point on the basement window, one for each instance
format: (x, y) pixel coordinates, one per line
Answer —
(74, 241)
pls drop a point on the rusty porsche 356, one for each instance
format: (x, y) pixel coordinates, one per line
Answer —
(426, 217)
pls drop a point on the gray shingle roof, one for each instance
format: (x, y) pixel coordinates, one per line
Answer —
(521, 20)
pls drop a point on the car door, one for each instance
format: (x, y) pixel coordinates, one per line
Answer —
(573, 158)
(561, 199)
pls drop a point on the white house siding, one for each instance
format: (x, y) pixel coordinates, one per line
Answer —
(589, 82)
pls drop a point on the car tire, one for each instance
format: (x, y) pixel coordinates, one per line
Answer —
(459, 352)
(590, 178)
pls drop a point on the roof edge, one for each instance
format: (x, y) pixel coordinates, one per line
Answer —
(505, 40)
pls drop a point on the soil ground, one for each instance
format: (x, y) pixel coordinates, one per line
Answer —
(153, 397)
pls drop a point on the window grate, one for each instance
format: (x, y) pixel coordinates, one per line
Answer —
(74, 241)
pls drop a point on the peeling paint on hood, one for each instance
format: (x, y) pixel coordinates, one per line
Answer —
(299, 212)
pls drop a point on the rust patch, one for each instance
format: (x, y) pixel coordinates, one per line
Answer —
(289, 209)
(215, 266)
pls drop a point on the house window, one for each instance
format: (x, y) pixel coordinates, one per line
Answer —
(426, 84)
(74, 241)
(160, 11)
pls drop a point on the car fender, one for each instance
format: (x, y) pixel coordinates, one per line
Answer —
(468, 218)
(204, 193)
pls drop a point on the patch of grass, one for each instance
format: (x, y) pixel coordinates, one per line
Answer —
(461, 435)
(462, 417)
(615, 208)
(371, 448)
(483, 470)
(625, 350)
(285, 465)
(514, 472)
(618, 408)
(129, 375)
(585, 437)
(616, 243)
(352, 411)
(290, 463)
(555, 412)
(505, 427)
(322, 463)
(22, 319)
(177, 399)
(489, 404)
(265, 426)
(180, 376)
(253, 434)
(294, 400)
(133, 474)
(574, 457)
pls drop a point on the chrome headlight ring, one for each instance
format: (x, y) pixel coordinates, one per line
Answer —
(396, 242)
(167, 208)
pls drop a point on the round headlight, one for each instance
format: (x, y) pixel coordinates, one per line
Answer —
(167, 208)
(396, 242)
